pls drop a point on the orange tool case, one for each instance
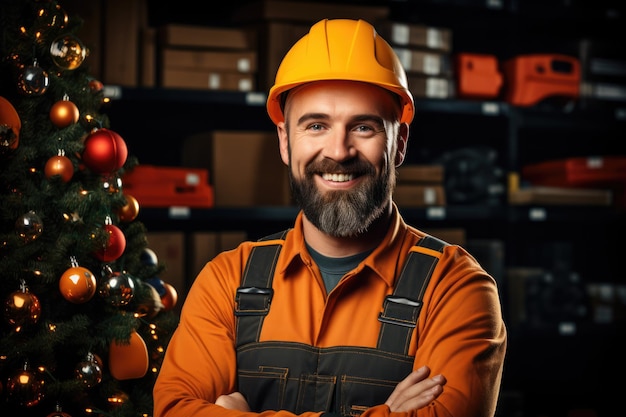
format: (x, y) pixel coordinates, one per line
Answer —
(578, 172)
(478, 76)
(532, 78)
(158, 186)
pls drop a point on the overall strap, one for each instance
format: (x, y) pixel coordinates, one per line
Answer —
(252, 302)
(402, 308)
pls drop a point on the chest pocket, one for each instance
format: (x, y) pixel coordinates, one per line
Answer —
(345, 379)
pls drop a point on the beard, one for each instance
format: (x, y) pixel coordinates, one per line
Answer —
(343, 213)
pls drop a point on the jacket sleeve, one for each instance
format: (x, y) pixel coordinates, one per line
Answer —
(461, 335)
(200, 360)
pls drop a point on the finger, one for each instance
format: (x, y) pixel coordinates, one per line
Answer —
(418, 395)
(413, 378)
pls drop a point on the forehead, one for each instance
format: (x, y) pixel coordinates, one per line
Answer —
(332, 96)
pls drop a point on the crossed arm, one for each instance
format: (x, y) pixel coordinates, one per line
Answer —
(415, 391)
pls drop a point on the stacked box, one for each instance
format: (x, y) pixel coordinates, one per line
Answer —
(425, 53)
(603, 75)
(420, 186)
(206, 58)
(280, 23)
(245, 166)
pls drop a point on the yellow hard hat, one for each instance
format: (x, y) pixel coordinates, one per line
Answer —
(341, 49)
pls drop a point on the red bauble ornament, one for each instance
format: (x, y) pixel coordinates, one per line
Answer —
(170, 298)
(64, 113)
(130, 210)
(115, 245)
(59, 165)
(77, 285)
(95, 86)
(105, 151)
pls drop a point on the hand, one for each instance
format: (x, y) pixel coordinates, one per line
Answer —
(415, 391)
(234, 401)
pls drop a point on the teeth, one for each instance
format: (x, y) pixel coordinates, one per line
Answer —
(338, 177)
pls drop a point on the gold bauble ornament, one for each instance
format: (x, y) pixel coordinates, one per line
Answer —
(130, 210)
(64, 113)
(67, 52)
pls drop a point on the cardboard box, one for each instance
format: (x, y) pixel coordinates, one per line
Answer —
(414, 195)
(561, 196)
(206, 37)
(424, 62)
(417, 173)
(148, 57)
(416, 35)
(304, 11)
(206, 80)
(422, 86)
(245, 167)
(275, 40)
(123, 22)
(215, 60)
(204, 246)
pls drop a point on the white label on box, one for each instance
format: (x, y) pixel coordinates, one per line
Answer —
(256, 99)
(490, 108)
(436, 213)
(537, 214)
(192, 179)
(179, 212)
(436, 87)
(405, 57)
(433, 38)
(214, 81)
(430, 195)
(245, 84)
(243, 65)
(432, 64)
(595, 162)
(400, 34)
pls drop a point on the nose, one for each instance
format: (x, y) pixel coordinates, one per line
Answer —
(339, 146)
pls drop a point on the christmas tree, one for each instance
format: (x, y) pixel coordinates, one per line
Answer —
(86, 319)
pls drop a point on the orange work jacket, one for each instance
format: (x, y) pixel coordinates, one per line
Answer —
(460, 331)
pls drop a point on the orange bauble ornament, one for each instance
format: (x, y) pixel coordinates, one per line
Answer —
(64, 113)
(10, 119)
(59, 165)
(170, 298)
(130, 210)
(128, 360)
(77, 285)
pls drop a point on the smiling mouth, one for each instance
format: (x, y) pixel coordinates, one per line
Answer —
(338, 177)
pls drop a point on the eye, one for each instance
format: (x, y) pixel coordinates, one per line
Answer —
(365, 130)
(316, 127)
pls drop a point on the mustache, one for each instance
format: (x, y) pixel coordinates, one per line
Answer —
(353, 166)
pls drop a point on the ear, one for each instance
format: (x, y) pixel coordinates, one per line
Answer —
(403, 138)
(283, 142)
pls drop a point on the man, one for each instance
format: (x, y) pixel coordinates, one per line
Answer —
(334, 317)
